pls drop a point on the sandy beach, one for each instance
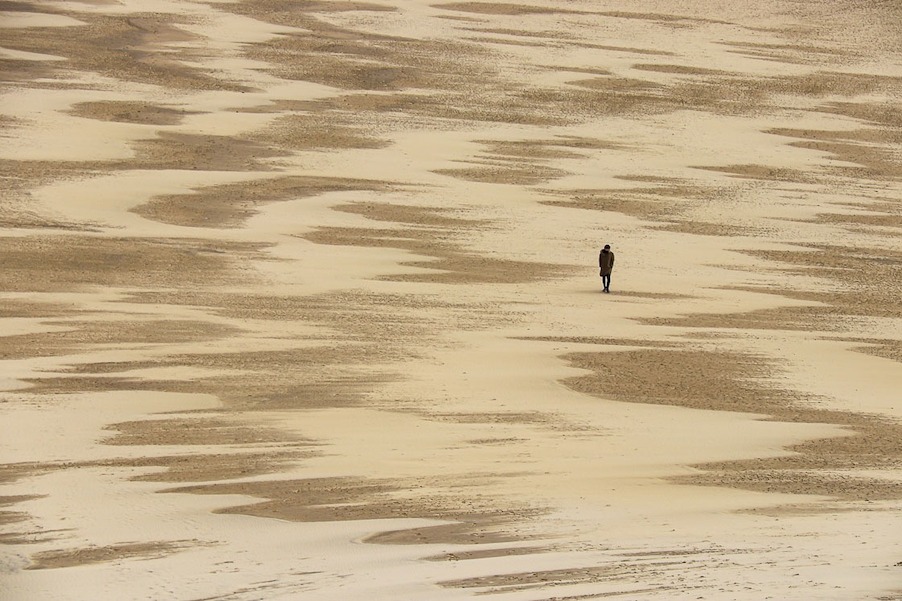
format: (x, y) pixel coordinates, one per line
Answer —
(300, 300)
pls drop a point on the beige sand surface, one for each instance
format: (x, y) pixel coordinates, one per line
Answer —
(298, 300)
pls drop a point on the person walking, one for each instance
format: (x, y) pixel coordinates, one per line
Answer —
(605, 266)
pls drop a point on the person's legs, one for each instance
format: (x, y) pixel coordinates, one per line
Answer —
(606, 282)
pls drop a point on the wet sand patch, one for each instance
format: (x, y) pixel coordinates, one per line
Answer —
(701, 228)
(202, 152)
(469, 529)
(497, 584)
(497, 8)
(65, 558)
(199, 467)
(294, 13)
(449, 263)
(448, 266)
(349, 316)
(663, 18)
(870, 221)
(65, 262)
(488, 553)
(13, 472)
(837, 468)
(626, 49)
(800, 54)
(764, 172)
(13, 517)
(191, 431)
(814, 318)
(689, 378)
(355, 60)
(315, 131)
(885, 348)
(510, 172)
(29, 537)
(604, 341)
(485, 417)
(165, 151)
(26, 71)
(124, 47)
(680, 69)
(87, 335)
(880, 113)
(222, 466)
(262, 387)
(468, 87)
(669, 203)
(868, 281)
(529, 150)
(21, 307)
(230, 205)
(723, 381)
(341, 499)
(524, 162)
(22, 176)
(425, 217)
(857, 147)
(130, 111)
(359, 330)
(12, 6)
(350, 102)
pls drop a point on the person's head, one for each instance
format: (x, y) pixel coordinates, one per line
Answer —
(607, 248)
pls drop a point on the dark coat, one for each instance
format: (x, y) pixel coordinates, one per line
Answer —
(605, 263)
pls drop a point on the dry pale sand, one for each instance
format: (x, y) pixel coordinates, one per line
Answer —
(299, 300)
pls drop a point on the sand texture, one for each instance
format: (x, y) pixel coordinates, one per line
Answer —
(300, 300)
